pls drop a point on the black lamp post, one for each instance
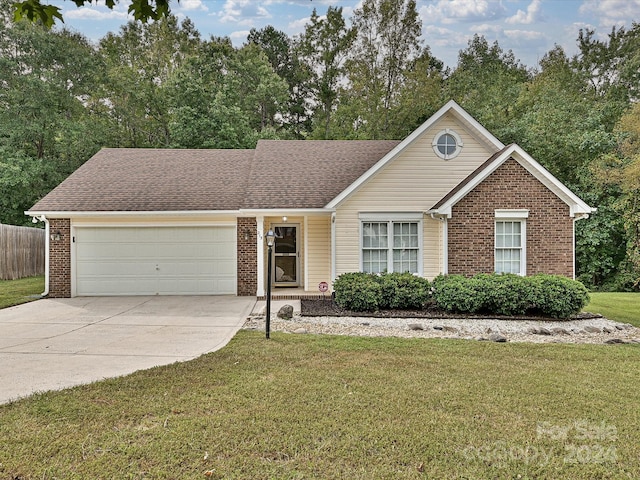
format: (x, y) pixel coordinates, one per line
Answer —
(270, 239)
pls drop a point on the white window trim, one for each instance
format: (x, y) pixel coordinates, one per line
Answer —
(459, 144)
(390, 219)
(523, 239)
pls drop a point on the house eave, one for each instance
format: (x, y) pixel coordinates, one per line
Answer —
(119, 213)
(451, 106)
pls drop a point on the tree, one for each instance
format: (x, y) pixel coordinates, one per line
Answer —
(282, 55)
(139, 61)
(324, 47)
(619, 170)
(487, 82)
(36, 11)
(386, 45)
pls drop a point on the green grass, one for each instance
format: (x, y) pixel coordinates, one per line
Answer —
(621, 307)
(15, 292)
(325, 407)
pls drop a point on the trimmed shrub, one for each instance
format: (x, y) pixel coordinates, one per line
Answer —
(504, 294)
(403, 291)
(357, 291)
(548, 295)
(558, 296)
(456, 293)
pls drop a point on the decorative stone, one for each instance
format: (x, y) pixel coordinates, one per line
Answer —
(534, 331)
(613, 341)
(560, 331)
(607, 330)
(619, 327)
(300, 330)
(544, 331)
(496, 337)
(415, 326)
(438, 327)
(447, 328)
(592, 329)
(286, 312)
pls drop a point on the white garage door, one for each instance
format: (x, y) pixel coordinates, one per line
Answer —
(155, 260)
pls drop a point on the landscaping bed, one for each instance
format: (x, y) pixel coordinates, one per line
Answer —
(328, 308)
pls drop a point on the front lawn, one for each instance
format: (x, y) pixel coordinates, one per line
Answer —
(15, 292)
(325, 407)
(621, 307)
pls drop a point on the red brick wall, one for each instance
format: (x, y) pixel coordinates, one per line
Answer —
(549, 226)
(60, 259)
(247, 257)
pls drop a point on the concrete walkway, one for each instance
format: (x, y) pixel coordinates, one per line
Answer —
(52, 344)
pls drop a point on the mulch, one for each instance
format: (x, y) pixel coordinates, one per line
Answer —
(328, 308)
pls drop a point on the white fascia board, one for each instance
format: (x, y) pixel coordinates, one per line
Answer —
(278, 212)
(576, 205)
(176, 213)
(450, 106)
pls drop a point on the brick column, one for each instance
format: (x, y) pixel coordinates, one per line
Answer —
(60, 259)
(247, 257)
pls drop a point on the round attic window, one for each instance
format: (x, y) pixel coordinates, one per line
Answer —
(447, 144)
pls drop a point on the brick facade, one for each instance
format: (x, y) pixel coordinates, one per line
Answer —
(549, 228)
(247, 257)
(60, 259)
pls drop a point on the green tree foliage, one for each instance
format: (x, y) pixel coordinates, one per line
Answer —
(324, 47)
(386, 45)
(139, 62)
(487, 82)
(36, 11)
(281, 51)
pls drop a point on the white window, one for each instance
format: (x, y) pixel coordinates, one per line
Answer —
(391, 246)
(510, 241)
(447, 144)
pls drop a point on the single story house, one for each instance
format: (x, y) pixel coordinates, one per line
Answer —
(449, 198)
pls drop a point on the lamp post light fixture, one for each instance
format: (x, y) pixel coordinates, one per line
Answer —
(271, 237)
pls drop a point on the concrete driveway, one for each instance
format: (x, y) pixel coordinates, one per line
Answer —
(52, 344)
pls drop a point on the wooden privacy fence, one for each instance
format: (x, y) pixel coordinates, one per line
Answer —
(21, 252)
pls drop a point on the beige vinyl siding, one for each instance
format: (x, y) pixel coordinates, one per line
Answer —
(319, 251)
(413, 182)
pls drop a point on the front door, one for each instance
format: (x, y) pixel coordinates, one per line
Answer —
(286, 256)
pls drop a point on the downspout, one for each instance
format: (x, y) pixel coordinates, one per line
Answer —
(576, 217)
(445, 241)
(46, 255)
(333, 246)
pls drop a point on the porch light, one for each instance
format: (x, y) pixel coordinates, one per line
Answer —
(271, 238)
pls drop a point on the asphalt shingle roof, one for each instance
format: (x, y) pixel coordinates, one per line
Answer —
(277, 174)
(136, 179)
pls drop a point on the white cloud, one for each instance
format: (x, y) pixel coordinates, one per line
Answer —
(92, 13)
(298, 25)
(612, 12)
(524, 35)
(243, 12)
(450, 11)
(238, 37)
(530, 16)
(191, 5)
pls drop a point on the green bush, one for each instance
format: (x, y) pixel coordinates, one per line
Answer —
(492, 294)
(457, 294)
(357, 291)
(505, 294)
(548, 295)
(558, 296)
(403, 291)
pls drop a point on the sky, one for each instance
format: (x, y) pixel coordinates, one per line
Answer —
(529, 28)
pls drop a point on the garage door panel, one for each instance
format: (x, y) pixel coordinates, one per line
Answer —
(155, 260)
